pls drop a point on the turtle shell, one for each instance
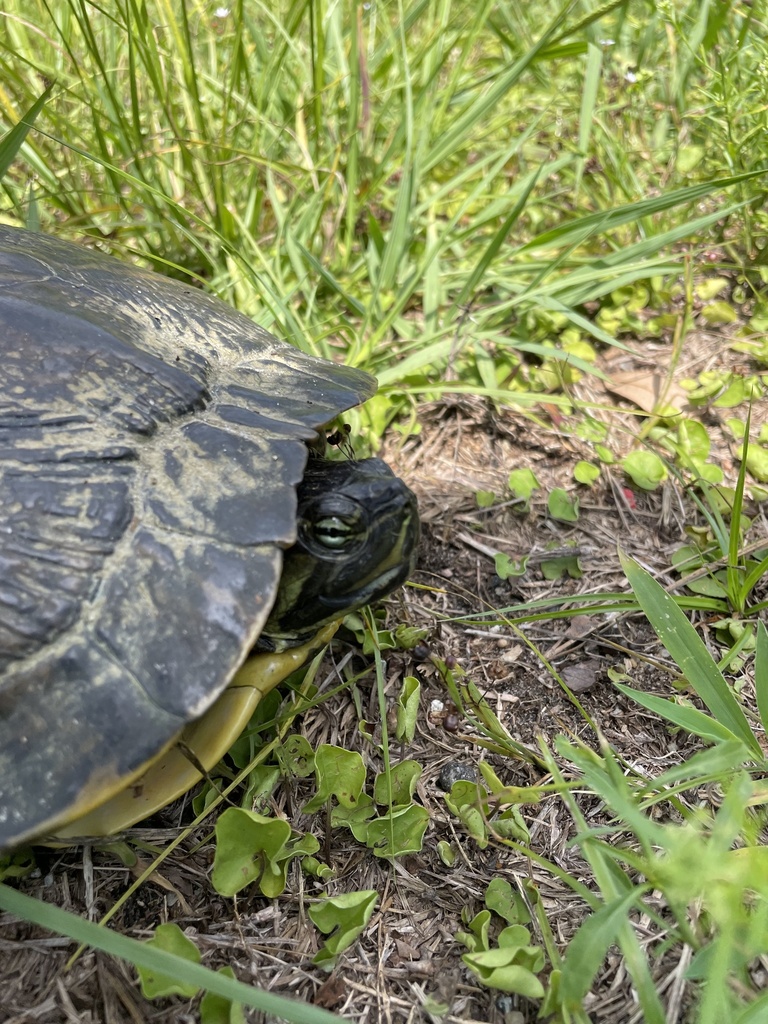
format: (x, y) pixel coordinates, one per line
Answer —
(151, 440)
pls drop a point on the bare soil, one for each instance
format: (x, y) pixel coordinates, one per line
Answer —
(408, 953)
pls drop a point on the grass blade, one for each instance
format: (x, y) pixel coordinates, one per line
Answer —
(761, 673)
(689, 653)
(12, 141)
(64, 923)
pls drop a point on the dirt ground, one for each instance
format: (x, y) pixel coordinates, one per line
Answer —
(408, 953)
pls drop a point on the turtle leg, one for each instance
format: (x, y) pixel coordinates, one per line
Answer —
(208, 740)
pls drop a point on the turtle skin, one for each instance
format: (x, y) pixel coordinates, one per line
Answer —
(151, 441)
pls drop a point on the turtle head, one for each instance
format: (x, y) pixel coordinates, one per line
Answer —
(358, 528)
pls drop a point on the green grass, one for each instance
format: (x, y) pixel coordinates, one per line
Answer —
(426, 186)
(367, 182)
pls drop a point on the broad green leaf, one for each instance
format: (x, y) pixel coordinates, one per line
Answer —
(356, 818)
(707, 289)
(503, 900)
(216, 1010)
(498, 956)
(249, 848)
(739, 390)
(399, 831)
(446, 853)
(399, 785)
(408, 711)
(710, 586)
(590, 429)
(517, 937)
(466, 800)
(340, 773)
(262, 781)
(709, 472)
(477, 937)
(757, 462)
(645, 468)
(563, 507)
(586, 473)
(605, 455)
(510, 824)
(554, 568)
(693, 439)
(496, 969)
(314, 867)
(507, 567)
(522, 483)
(719, 313)
(17, 864)
(343, 919)
(297, 755)
(408, 637)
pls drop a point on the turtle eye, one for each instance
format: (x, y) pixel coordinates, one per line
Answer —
(333, 532)
(331, 526)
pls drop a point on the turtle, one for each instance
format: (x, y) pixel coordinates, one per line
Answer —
(174, 539)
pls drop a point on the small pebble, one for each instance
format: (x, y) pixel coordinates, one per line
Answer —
(455, 771)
